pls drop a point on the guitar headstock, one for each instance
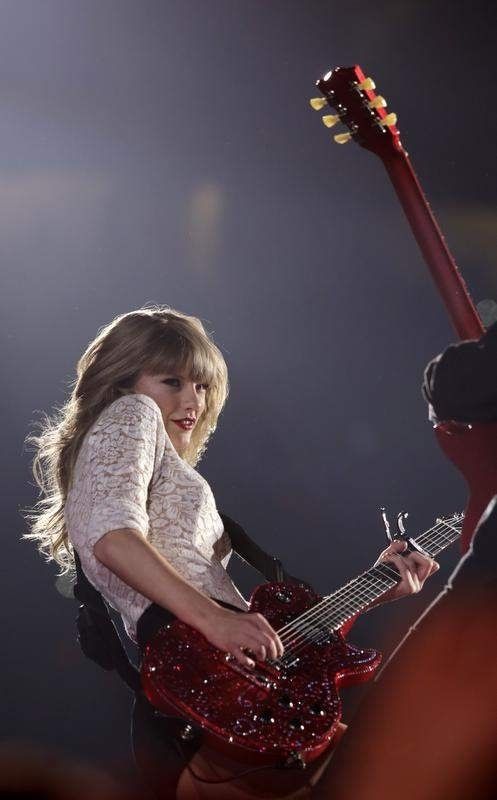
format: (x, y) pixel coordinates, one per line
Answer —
(352, 95)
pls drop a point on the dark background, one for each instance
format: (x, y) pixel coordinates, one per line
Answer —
(166, 152)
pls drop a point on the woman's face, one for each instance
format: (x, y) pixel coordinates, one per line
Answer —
(181, 401)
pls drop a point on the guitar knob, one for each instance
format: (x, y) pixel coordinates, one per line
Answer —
(296, 759)
(285, 701)
(317, 709)
(265, 716)
(282, 597)
(342, 138)
(296, 724)
(188, 733)
(317, 103)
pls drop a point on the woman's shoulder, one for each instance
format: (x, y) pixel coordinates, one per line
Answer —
(131, 410)
(129, 425)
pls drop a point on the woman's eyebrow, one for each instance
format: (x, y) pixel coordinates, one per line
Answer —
(181, 377)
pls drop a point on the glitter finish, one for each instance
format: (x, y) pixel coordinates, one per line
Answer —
(281, 710)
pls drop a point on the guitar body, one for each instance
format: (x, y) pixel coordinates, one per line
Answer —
(473, 450)
(285, 712)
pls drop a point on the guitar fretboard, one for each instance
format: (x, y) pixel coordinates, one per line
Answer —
(337, 608)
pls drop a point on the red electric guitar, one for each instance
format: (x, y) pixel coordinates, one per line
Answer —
(284, 711)
(352, 95)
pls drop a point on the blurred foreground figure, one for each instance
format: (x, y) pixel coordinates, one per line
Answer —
(447, 671)
(32, 772)
(447, 668)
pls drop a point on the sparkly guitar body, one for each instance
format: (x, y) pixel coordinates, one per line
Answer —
(285, 711)
(280, 712)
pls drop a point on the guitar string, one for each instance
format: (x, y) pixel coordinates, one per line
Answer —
(428, 535)
(361, 590)
(341, 593)
(434, 537)
(355, 589)
(366, 589)
(332, 621)
(341, 599)
(360, 600)
(337, 610)
(434, 540)
(339, 620)
(322, 635)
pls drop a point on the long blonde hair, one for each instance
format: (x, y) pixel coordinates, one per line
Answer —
(151, 339)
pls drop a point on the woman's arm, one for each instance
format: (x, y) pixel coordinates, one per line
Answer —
(136, 562)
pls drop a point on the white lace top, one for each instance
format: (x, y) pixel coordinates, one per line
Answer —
(128, 475)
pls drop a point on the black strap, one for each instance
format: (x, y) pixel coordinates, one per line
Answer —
(269, 566)
(97, 634)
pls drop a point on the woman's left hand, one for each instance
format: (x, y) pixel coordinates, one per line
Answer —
(414, 569)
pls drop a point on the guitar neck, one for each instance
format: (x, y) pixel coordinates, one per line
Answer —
(336, 609)
(442, 266)
(352, 95)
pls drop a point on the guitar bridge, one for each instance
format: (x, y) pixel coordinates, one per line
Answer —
(255, 677)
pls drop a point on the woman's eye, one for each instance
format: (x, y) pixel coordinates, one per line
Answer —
(175, 382)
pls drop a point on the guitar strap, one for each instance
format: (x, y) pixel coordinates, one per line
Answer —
(269, 566)
(97, 634)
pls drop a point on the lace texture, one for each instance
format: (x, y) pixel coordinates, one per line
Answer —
(128, 475)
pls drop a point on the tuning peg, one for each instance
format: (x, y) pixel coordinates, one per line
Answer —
(330, 119)
(401, 527)
(390, 119)
(317, 103)
(378, 102)
(386, 524)
(367, 85)
(342, 138)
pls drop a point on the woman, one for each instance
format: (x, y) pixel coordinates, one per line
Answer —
(116, 467)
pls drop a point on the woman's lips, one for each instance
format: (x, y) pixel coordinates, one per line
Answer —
(185, 424)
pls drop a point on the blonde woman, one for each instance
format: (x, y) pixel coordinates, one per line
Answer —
(116, 467)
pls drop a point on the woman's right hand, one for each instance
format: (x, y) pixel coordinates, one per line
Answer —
(236, 633)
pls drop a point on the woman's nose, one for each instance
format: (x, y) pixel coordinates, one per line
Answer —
(192, 398)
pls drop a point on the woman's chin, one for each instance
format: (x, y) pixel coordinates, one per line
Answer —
(180, 441)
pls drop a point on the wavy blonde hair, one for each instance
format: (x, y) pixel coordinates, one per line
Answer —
(151, 339)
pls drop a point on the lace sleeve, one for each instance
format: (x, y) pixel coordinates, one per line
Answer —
(122, 454)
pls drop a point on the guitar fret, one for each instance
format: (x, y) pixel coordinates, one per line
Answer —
(362, 591)
(436, 540)
(389, 572)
